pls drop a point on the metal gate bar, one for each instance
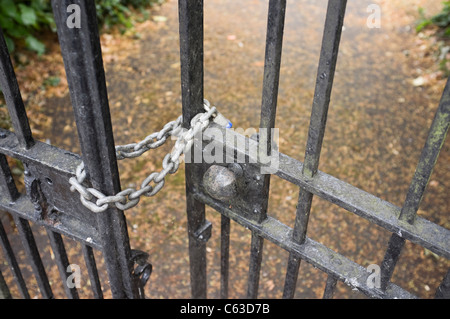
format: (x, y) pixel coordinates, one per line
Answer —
(12, 262)
(443, 291)
(21, 126)
(4, 290)
(83, 62)
(427, 161)
(324, 83)
(91, 266)
(32, 252)
(224, 255)
(306, 176)
(61, 213)
(272, 64)
(13, 98)
(49, 202)
(191, 58)
(62, 261)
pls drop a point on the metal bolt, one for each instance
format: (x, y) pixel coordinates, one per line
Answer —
(220, 183)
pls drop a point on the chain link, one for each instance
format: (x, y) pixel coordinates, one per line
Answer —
(98, 202)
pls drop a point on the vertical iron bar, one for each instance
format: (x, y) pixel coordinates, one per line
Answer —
(16, 109)
(430, 153)
(7, 185)
(13, 98)
(443, 291)
(8, 188)
(191, 58)
(302, 217)
(255, 266)
(290, 282)
(391, 257)
(32, 252)
(4, 290)
(83, 62)
(12, 262)
(62, 262)
(329, 287)
(428, 157)
(89, 259)
(324, 82)
(224, 256)
(272, 63)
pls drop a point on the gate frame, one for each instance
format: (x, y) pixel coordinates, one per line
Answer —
(61, 213)
(402, 222)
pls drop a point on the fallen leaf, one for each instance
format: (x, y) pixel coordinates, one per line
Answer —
(159, 18)
(270, 285)
(419, 81)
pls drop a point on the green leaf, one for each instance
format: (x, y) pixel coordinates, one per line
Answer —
(6, 23)
(447, 32)
(52, 81)
(35, 45)
(422, 25)
(9, 44)
(18, 32)
(9, 8)
(28, 15)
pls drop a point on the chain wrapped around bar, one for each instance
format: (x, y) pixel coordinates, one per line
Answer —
(97, 202)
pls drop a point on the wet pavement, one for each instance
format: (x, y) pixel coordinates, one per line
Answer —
(377, 125)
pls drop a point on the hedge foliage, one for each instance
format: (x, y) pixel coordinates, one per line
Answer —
(24, 20)
(442, 19)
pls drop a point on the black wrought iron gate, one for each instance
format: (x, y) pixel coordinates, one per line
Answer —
(237, 187)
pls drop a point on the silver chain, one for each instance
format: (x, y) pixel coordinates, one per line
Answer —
(98, 202)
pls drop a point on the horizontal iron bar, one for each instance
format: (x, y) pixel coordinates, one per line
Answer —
(76, 221)
(351, 198)
(43, 154)
(310, 251)
(368, 206)
(24, 208)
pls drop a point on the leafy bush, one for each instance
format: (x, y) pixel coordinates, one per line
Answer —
(442, 19)
(20, 20)
(117, 12)
(113, 12)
